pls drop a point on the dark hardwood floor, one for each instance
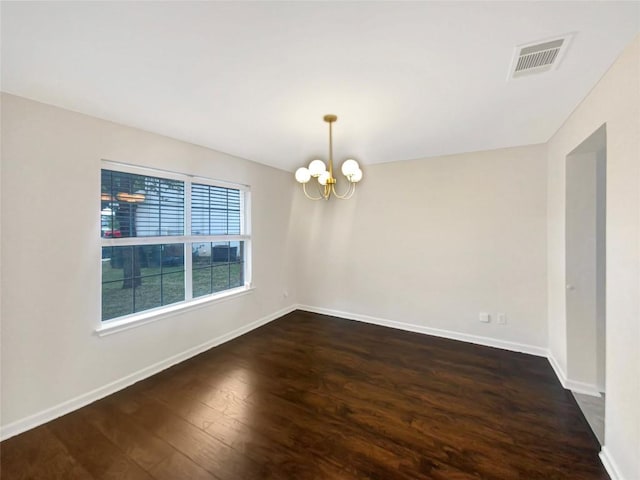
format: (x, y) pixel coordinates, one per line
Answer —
(315, 397)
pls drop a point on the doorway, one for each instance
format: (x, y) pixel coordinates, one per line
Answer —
(585, 238)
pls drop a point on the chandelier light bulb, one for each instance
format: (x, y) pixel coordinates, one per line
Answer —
(349, 167)
(323, 178)
(356, 176)
(316, 167)
(303, 175)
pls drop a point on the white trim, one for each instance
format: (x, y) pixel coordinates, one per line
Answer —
(609, 464)
(436, 332)
(573, 385)
(187, 239)
(187, 248)
(247, 229)
(80, 401)
(187, 252)
(584, 388)
(140, 170)
(120, 324)
(557, 368)
(171, 174)
(170, 239)
(49, 414)
(219, 183)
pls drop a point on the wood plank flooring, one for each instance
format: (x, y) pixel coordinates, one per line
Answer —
(315, 397)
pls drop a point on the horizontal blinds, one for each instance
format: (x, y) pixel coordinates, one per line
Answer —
(215, 210)
(141, 205)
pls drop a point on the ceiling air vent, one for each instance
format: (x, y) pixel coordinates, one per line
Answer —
(539, 57)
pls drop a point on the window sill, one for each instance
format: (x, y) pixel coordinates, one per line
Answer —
(110, 327)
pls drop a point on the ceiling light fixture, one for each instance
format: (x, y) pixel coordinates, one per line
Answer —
(137, 197)
(326, 181)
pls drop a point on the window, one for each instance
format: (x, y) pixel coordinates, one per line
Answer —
(169, 238)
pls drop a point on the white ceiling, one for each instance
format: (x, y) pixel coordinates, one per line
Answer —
(407, 80)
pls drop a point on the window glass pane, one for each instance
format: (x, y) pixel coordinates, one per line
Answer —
(201, 263)
(148, 292)
(220, 253)
(218, 218)
(141, 277)
(201, 281)
(140, 205)
(172, 287)
(220, 280)
(236, 268)
(150, 256)
(201, 254)
(236, 275)
(200, 209)
(173, 256)
(215, 210)
(217, 266)
(234, 213)
(116, 301)
(237, 251)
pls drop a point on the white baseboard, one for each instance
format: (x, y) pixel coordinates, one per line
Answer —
(584, 388)
(609, 464)
(436, 332)
(573, 385)
(559, 371)
(32, 421)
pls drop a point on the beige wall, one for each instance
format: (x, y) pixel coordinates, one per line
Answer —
(616, 102)
(428, 244)
(50, 277)
(431, 243)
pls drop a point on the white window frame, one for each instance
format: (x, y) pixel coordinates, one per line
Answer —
(106, 327)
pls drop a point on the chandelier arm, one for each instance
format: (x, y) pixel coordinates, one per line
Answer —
(346, 195)
(324, 190)
(304, 189)
(353, 190)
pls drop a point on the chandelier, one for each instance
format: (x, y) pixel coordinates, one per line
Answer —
(326, 181)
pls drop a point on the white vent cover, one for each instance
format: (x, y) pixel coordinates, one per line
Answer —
(538, 57)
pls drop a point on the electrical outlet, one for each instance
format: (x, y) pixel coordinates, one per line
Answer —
(285, 293)
(501, 319)
(484, 317)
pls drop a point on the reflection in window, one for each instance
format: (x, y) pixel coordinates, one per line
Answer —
(149, 221)
(141, 205)
(217, 266)
(141, 277)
